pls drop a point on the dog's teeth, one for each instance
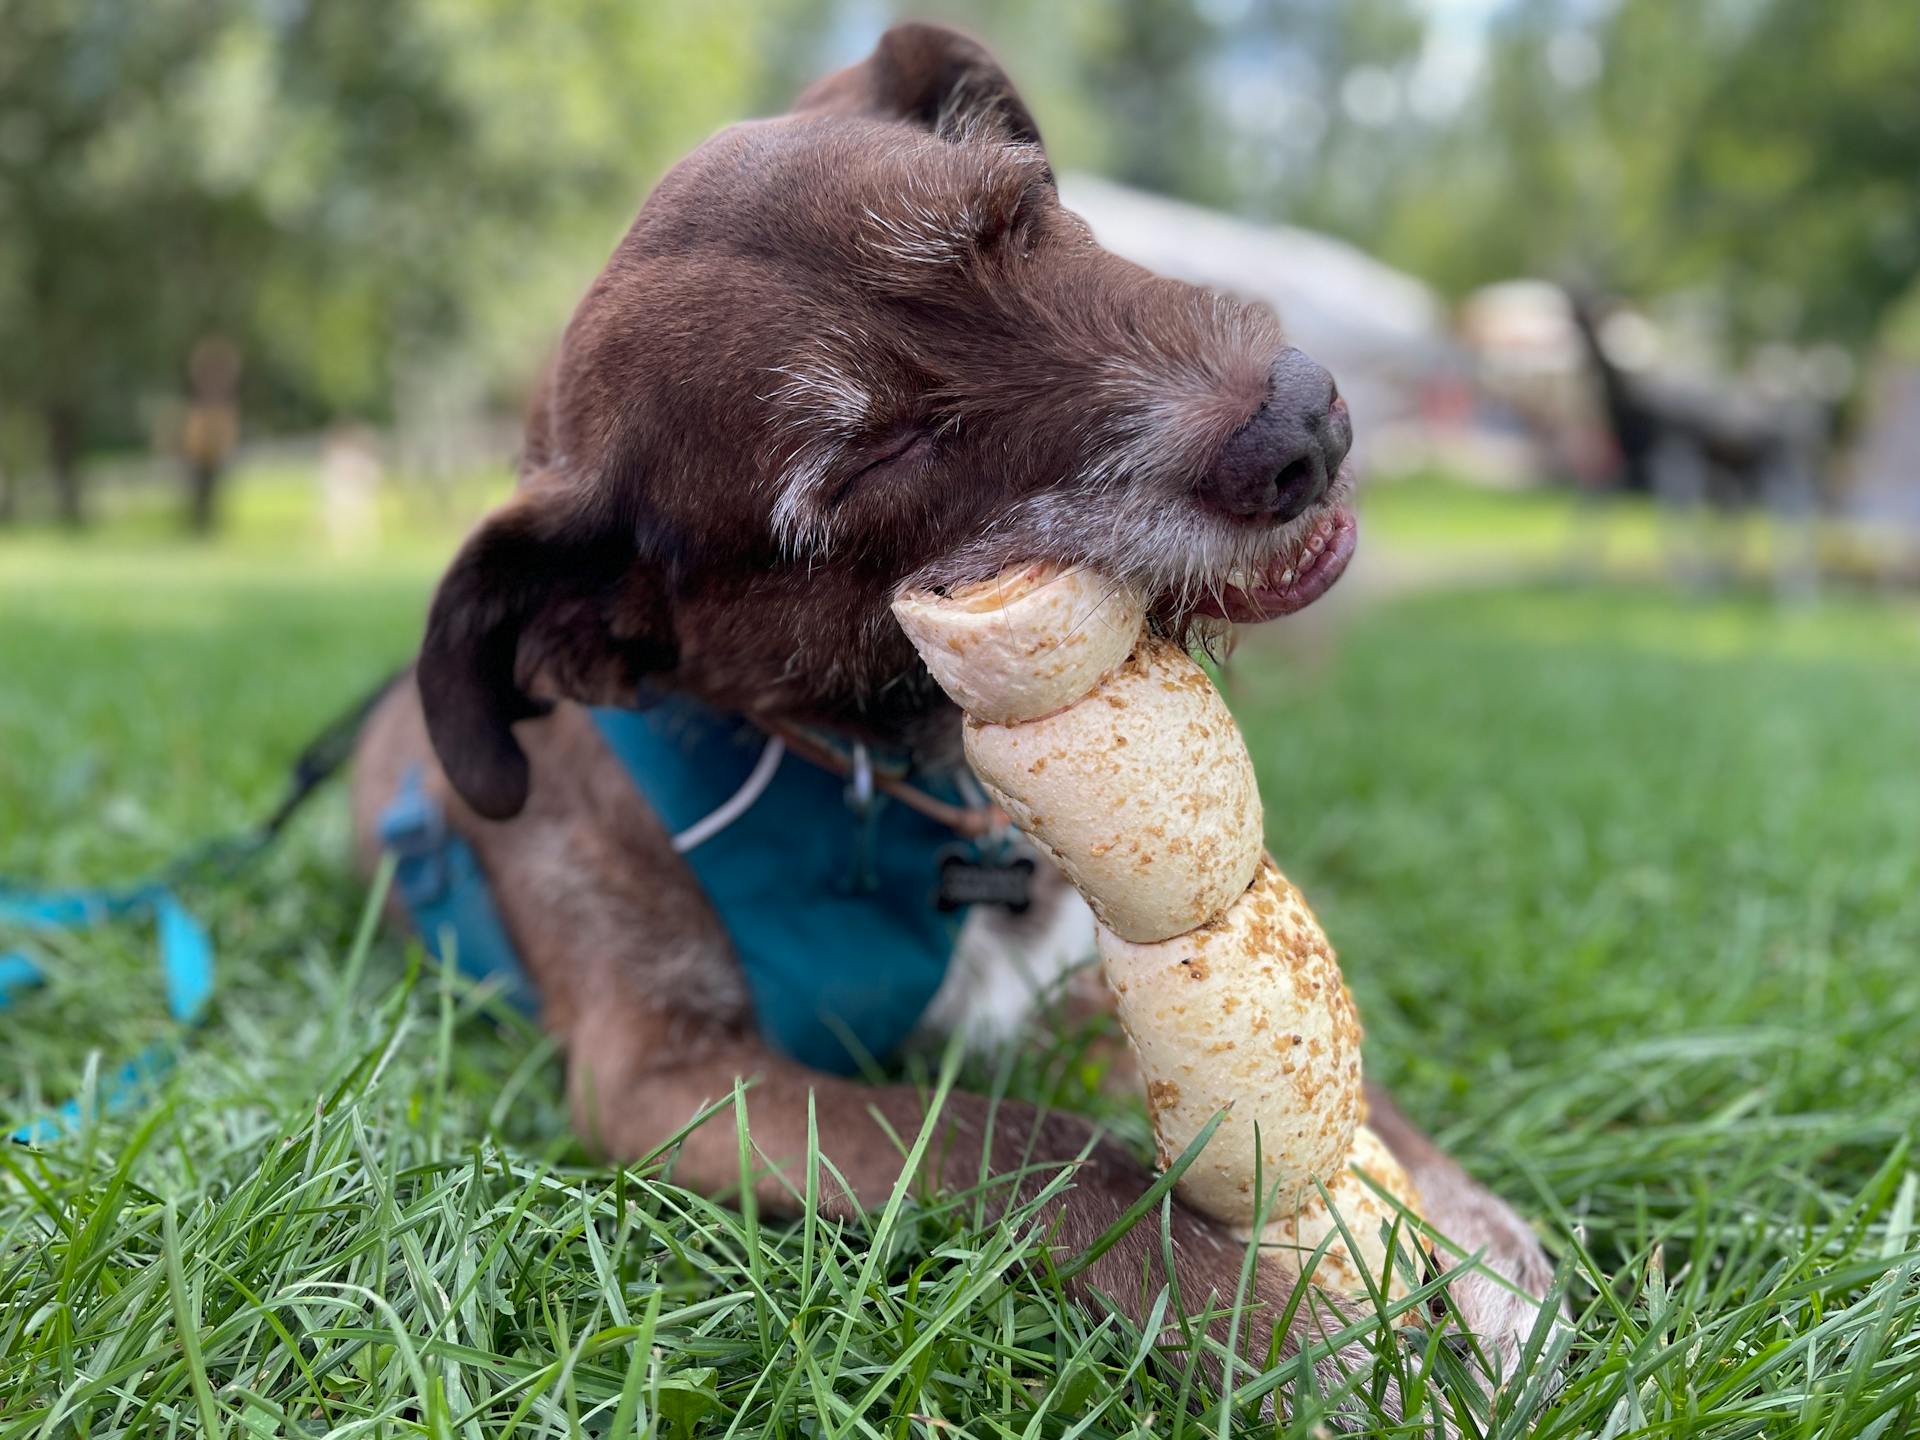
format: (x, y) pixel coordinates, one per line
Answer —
(1317, 542)
(1286, 579)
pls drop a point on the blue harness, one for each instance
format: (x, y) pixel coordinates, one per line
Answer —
(827, 888)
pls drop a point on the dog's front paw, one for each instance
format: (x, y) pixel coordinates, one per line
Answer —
(1498, 1279)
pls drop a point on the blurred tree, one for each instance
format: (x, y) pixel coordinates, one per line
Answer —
(375, 200)
(1761, 155)
(353, 193)
(1319, 93)
(1796, 185)
(110, 247)
(1147, 60)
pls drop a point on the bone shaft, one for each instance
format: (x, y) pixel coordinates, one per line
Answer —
(1134, 779)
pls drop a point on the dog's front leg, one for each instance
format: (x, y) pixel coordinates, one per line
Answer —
(1007, 1151)
(864, 1132)
(1500, 1308)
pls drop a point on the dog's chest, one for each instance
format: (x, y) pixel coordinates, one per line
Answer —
(829, 897)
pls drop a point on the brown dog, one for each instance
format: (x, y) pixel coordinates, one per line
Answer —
(854, 345)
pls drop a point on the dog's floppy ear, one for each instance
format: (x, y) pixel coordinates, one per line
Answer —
(550, 594)
(932, 77)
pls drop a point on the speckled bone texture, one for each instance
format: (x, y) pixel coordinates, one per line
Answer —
(1298, 1233)
(1247, 1013)
(1122, 762)
(1142, 792)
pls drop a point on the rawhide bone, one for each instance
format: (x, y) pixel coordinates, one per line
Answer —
(1112, 750)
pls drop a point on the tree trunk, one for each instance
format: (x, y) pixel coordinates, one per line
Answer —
(203, 491)
(63, 457)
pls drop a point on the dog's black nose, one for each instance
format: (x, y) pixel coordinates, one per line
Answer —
(1283, 459)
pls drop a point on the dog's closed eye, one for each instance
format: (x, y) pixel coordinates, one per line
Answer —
(899, 455)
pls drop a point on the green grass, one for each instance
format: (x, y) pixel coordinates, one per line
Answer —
(1628, 888)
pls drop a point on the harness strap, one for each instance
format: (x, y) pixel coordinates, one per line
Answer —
(438, 878)
(970, 822)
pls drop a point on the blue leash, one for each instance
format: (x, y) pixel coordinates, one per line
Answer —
(186, 949)
(186, 965)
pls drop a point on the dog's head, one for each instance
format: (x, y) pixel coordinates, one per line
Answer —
(860, 344)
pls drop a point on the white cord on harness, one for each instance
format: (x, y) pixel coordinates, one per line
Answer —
(860, 791)
(741, 801)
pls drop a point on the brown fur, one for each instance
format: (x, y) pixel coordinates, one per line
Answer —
(855, 344)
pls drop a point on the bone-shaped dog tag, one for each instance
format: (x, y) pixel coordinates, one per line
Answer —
(969, 878)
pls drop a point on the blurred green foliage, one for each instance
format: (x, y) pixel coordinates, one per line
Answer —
(390, 202)
(1763, 154)
(353, 191)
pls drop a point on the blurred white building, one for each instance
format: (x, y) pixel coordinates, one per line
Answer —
(1885, 488)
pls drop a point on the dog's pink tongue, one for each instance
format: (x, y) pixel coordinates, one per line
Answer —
(1295, 582)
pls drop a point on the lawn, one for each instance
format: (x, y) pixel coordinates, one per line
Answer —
(1627, 885)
